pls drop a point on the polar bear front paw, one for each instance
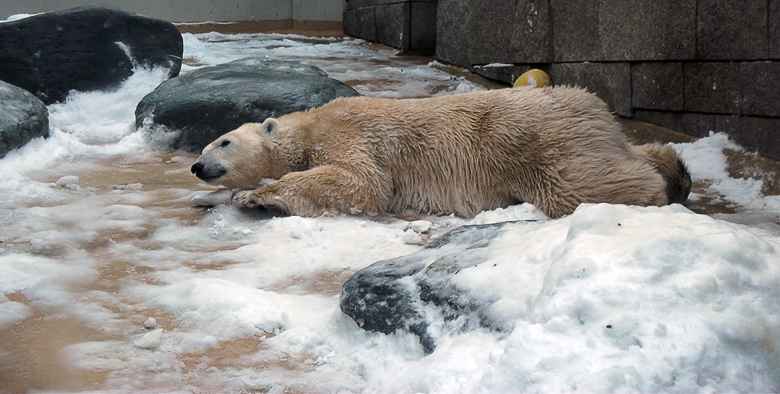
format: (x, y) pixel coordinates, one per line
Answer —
(246, 199)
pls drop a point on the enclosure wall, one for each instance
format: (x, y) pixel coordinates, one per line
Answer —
(196, 11)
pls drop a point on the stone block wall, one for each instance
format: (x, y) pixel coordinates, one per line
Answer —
(691, 65)
(409, 25)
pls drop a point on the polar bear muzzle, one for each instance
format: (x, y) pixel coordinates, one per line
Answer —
(208, 173)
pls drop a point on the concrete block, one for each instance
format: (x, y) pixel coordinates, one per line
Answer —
(774, 29)
(490, 30)
(509, 31)
(360, 23)
(646, 30)
(453, 33)
(422, 25)
(575, 30)
(657, 86)
(728, 30)
(753, 133)
(609, 81)
(697, 125)
(392, 25)
(760, 87)
(713, 88)
(531, 37)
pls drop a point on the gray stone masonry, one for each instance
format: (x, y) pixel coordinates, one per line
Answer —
(760, 82)
(576, 30)
(409, 25)
(610, 81)
(691, 65)
(713, 88)
(392, 25)
(657, 85)
(774, 29)
(453, 32)
(698, 125)
(360, 22)
(509, 31)
(728, 30)
(759, 134)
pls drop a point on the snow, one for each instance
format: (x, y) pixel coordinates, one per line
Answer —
(97, 226)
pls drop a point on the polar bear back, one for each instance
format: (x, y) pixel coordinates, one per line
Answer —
(483, 150)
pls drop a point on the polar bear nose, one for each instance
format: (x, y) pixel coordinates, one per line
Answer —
(208, 173)
(197, 168)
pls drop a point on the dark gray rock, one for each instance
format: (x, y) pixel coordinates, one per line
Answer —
(453, 32)
(698, 125)
(760, 87)
(211, 101)
(610, 81)
(726, 30)
(413, 293)
(647, 30)
(23, 118)
(753, 133)
(657, 85)
(713, 88)
(84, 49)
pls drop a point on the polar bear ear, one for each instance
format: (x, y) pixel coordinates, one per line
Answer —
(269, 126)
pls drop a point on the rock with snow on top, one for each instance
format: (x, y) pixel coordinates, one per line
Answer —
(589, 275)
(378, 299)
(84, 49)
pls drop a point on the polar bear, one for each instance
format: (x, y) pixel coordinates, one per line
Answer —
(554, 147)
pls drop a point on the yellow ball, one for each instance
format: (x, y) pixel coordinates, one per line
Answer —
(536, 78)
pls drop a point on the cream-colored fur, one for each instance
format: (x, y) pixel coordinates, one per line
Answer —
(552, 147)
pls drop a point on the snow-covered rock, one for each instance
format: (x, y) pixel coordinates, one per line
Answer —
(608, 288)
(84, 49)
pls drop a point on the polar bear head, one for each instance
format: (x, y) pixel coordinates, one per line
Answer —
(241, 158)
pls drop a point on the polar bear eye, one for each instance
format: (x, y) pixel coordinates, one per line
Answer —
(224, 143)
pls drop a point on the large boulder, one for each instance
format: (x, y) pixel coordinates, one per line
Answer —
(23, 118)
(208, 102)
(391, 295)
(84, 49)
